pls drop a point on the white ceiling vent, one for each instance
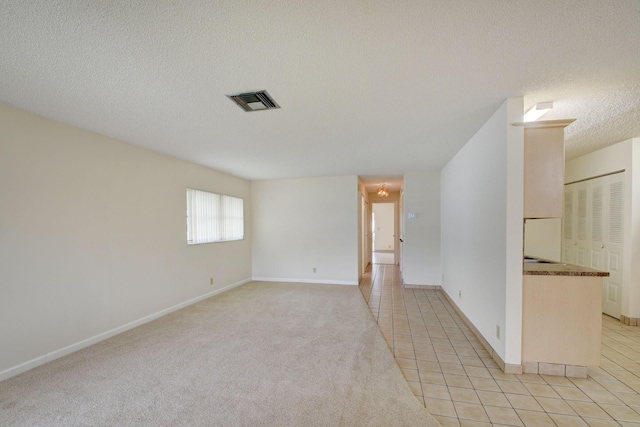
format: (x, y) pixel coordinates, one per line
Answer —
(254, 101)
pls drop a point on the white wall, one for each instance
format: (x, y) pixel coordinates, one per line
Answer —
(421, 264)
(384, 216)
(93, 238)
(301, 224)
(622, 156)
(482, 198)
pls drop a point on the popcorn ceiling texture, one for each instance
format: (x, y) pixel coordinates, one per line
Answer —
(366, 87)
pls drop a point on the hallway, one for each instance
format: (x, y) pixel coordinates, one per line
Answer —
(455, 378)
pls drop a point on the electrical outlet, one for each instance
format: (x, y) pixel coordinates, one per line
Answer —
(314, 269)
(459, 294)
(211, 281)
(498, 331)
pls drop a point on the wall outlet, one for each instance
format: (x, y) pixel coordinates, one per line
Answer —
(498, 331)
(314, 269)
(211, 281)
(459, 294)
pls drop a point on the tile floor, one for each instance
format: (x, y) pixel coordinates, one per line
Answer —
(458, 382)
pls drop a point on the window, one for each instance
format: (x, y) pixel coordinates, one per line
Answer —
(213, 217)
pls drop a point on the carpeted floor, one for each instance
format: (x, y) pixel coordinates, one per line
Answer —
(264, 354)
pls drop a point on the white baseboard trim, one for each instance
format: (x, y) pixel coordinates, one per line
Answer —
(322, 282)
(41, 360)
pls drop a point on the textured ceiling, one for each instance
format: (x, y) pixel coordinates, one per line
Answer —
(367, 87)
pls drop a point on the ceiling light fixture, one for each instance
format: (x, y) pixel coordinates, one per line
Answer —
(254, 101)
(537, 111)
(382, 191)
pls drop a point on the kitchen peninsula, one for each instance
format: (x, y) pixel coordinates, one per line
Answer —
(562, 318)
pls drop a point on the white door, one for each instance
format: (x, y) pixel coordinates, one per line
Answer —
(592, 234)
(568, 220)
(612, 250)
(582, 230)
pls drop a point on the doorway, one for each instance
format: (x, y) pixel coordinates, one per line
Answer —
(383, 234)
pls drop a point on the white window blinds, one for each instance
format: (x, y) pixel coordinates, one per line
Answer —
(213, 217)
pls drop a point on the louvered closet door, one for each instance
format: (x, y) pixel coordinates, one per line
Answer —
(592, 234)
(582, 226)
(568, 225)
(612, 248)
(598, 259)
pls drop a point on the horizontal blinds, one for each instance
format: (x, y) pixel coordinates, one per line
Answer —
(213, 217)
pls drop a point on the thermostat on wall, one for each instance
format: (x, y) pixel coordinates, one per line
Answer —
(412, 215)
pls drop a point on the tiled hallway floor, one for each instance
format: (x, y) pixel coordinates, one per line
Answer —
(458, 382)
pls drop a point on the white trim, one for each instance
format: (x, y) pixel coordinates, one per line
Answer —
(290, 280)
(38, 361)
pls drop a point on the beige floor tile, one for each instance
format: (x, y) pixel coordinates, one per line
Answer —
(406, 363)
(448, 422)
(621, 413)
(436, 391)
(587, 383)
(474, 371)
(484, 384)
(542, 390)
(432, 378)
(598, 422)
(571, 393)
(415, 387)
(555, 380)
(528, 403)
(503, 416)
(471, 361)
(470, 411)
(426, 355)
(448, 358)
(428, 365)
(466, 351)
(402, 344)
(513, 387)
(457, 381)
(534, 419)
(631, 399)
(555, 406)
(470, 423)
(440, 407)
(410, 374)
(568, 420)
(449, 368)
(420, 325)
(531, 378)
(492, 398)
(404, 353)
(615, 385)
(605, 396)
(422, 346)
(466, 395)
(499, 375)
(588, 409)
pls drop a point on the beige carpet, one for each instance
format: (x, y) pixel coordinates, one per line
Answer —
(264, 354)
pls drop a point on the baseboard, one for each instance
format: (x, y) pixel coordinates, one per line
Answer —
(508, 368)
(630, 321)
(41, 360)
(426, 287)
(289, 280)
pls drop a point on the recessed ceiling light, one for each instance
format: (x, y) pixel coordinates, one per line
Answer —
(537, 111)
(254, 101)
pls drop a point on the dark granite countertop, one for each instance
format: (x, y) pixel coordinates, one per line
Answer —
(552, 268)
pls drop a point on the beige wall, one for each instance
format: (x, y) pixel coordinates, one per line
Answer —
(93, 238)
(307, 223)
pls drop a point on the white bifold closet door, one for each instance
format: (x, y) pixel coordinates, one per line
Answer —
(592, 232)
